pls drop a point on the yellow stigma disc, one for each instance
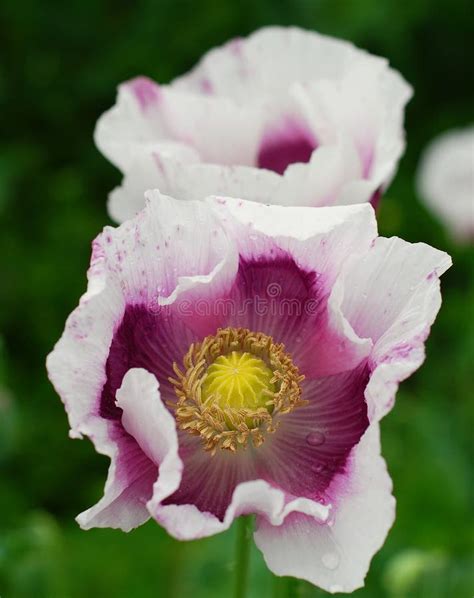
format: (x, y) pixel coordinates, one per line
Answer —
(233, 387)
(238, 380)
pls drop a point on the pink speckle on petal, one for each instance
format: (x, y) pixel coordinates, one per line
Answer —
(206, 86)
(401, 351)
(145, 90)
(236, 45)
(97, 251)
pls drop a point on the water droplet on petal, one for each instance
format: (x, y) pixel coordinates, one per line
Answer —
(315, 438)
(331, 560)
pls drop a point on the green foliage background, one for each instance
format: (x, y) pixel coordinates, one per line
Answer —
(59, 65)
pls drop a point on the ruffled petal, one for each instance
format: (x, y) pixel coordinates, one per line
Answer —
(129, 483)
(148, 421)
(153, 166)
(188, 179)
(370, 122)
(324, 179)
(187, 522)
(392, 296)
(319, 240)
(217, 130)
(269, 61)
(336, 555)
(148, 262)
(286, 115)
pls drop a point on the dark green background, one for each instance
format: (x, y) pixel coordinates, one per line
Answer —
(60, 64)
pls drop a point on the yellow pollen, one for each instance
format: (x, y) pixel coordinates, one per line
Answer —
(233, 386)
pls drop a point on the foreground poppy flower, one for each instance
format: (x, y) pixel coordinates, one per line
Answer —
(288, 114)
(236, 358)
(446, 181)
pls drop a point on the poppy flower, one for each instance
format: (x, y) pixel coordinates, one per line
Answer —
(286, 114)
(236, 358)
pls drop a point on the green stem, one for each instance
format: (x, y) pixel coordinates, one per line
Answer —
(242, 554)
(282, 587)
(289, 587)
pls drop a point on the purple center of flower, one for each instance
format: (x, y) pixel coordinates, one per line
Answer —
(311, 444)
(285, 144)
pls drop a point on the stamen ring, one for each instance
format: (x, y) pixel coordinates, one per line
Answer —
(232, 386)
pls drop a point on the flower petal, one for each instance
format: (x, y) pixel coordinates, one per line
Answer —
(319, 239)
(187, 522)
(269, 61)
(129, 483)
(217, 129)
(188, 179)
(142, 263)
(323, 114)
(312, 443)
(336, 555)
(148, 421)
(392, 295)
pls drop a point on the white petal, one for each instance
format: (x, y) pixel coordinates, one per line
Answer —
(186, 522)
(392, 296)
(129, 483)
(319, 239)
(202, 134)
(336, 555)
(324, 179)
(143, 261)
(270, 60)
(186, 178)
(148, 421)
(215, 129)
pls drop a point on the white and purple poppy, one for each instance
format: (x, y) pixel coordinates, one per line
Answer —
(446, 181)
(286, 114)
(235, 358)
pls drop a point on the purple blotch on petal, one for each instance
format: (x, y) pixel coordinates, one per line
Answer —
(284, 144)
(143, 339)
